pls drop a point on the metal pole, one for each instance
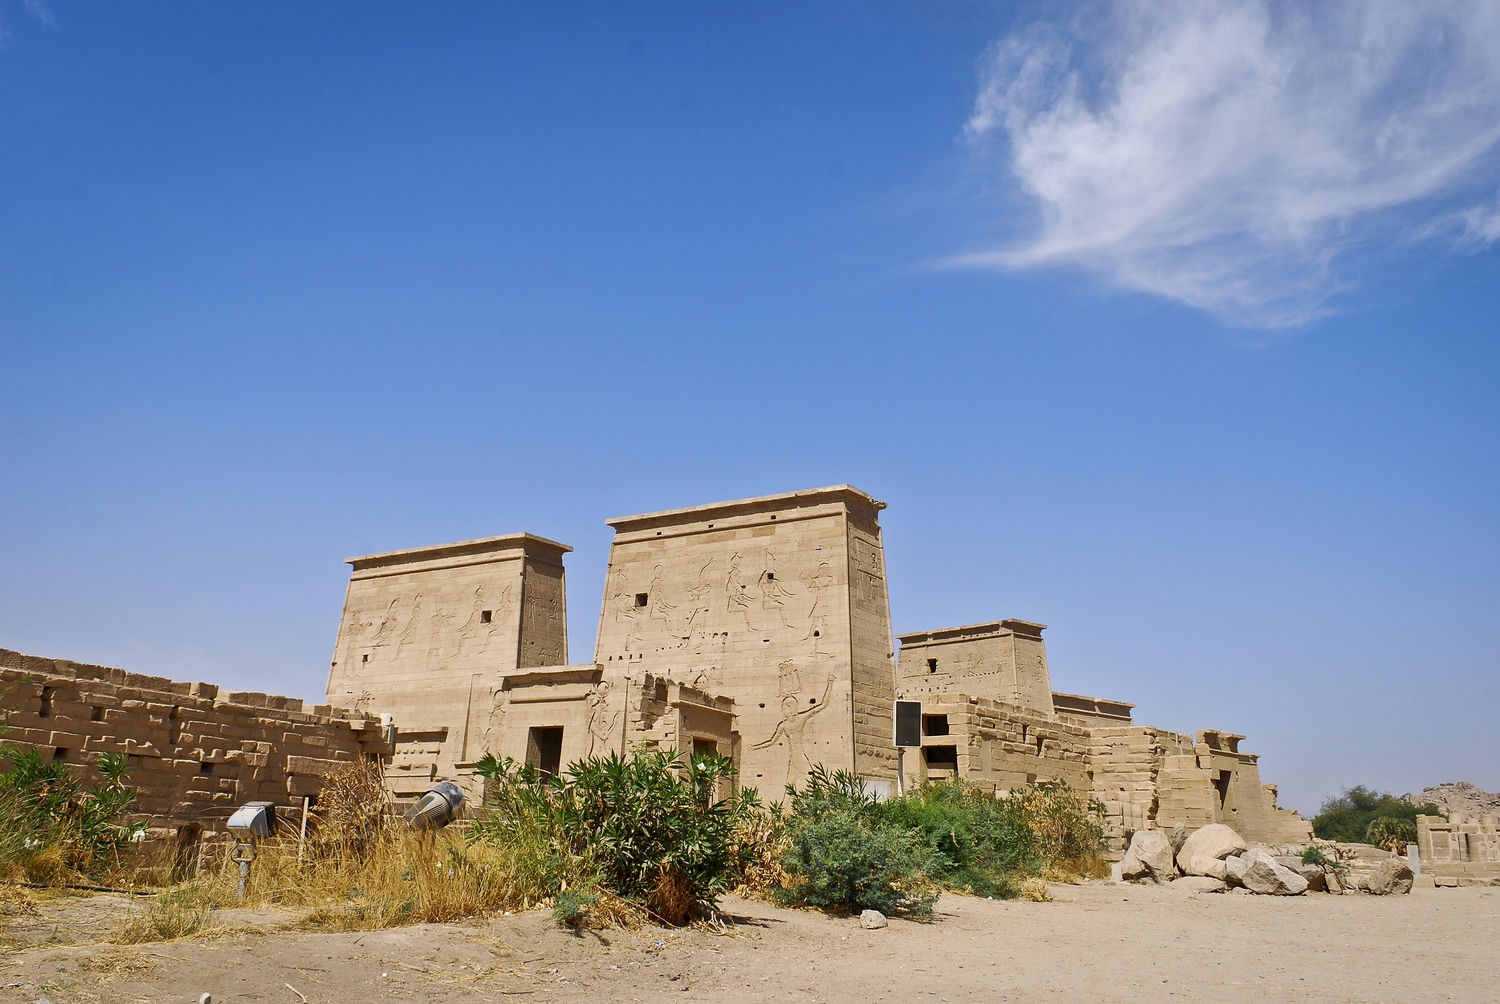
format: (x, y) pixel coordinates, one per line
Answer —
(242, 854)
(302, 837)
(900, 771)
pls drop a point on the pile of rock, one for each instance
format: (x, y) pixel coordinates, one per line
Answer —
(1214, 858)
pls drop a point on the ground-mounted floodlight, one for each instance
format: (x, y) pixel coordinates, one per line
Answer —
(440, 806)
(248, 822)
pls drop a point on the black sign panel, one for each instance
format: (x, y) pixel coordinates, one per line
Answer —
(908, 723)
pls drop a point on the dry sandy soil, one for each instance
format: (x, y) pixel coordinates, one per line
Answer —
(1096, 941)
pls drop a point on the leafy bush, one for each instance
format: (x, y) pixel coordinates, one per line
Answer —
(845, 855)
(1347, 817)
(53, 825)
(1315, 855)
(981, 844)
(1067, 824)
(849, 851)
(648, 827)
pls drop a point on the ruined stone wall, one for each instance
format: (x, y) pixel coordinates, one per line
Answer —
(1151, 778)
(1464, 845)
(428, 635)
(778, 603)
(1127, 763)
(195, 752)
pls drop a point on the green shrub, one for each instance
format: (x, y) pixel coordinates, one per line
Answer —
(54, 825)
(1314, 855)
(649, 827)
(840, 861)
(1067, 824)
(1347, 817)
(981, 844)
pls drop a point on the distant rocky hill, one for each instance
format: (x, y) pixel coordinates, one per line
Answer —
(1458, 796)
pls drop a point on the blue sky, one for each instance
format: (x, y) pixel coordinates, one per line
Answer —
(1173, 329)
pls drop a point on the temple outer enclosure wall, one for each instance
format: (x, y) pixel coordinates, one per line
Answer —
(195, 752)
(429, 634)
(1464, 846)
(778, 603)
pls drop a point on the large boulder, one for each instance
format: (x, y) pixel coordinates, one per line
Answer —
(1149, 856)
(1196, 884)
(1388, 878)
(1206, 848)
(1316, 882)
(1261, 874)
(1177, 837)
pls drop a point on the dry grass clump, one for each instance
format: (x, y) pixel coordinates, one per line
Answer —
(1034, 890)
(170, 916)
(114, 962)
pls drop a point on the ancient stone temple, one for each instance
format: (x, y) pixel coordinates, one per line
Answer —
(758, 628)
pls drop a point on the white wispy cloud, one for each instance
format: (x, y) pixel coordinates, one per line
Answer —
(41, 12)
(1224, 153)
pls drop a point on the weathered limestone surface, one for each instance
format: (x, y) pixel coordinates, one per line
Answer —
(194, 752)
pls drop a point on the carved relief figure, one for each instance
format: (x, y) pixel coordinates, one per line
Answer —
(494, 726)
(601, 722)
(413, 625)
(790, 730)
(737, 593)
(477, 628)
(387, 623)
(773, 592)
(817, 615)
(657, 606)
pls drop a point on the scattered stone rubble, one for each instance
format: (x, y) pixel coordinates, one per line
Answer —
(1214, 858)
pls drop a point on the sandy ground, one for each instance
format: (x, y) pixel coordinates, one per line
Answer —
(1097, 942)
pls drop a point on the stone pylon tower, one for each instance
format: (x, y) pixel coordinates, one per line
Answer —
(430, 633)
(778, 602)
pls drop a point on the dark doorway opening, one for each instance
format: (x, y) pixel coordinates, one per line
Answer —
(544, 749)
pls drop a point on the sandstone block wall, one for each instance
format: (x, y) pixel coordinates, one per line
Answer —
(778, 603)
(195, 752)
